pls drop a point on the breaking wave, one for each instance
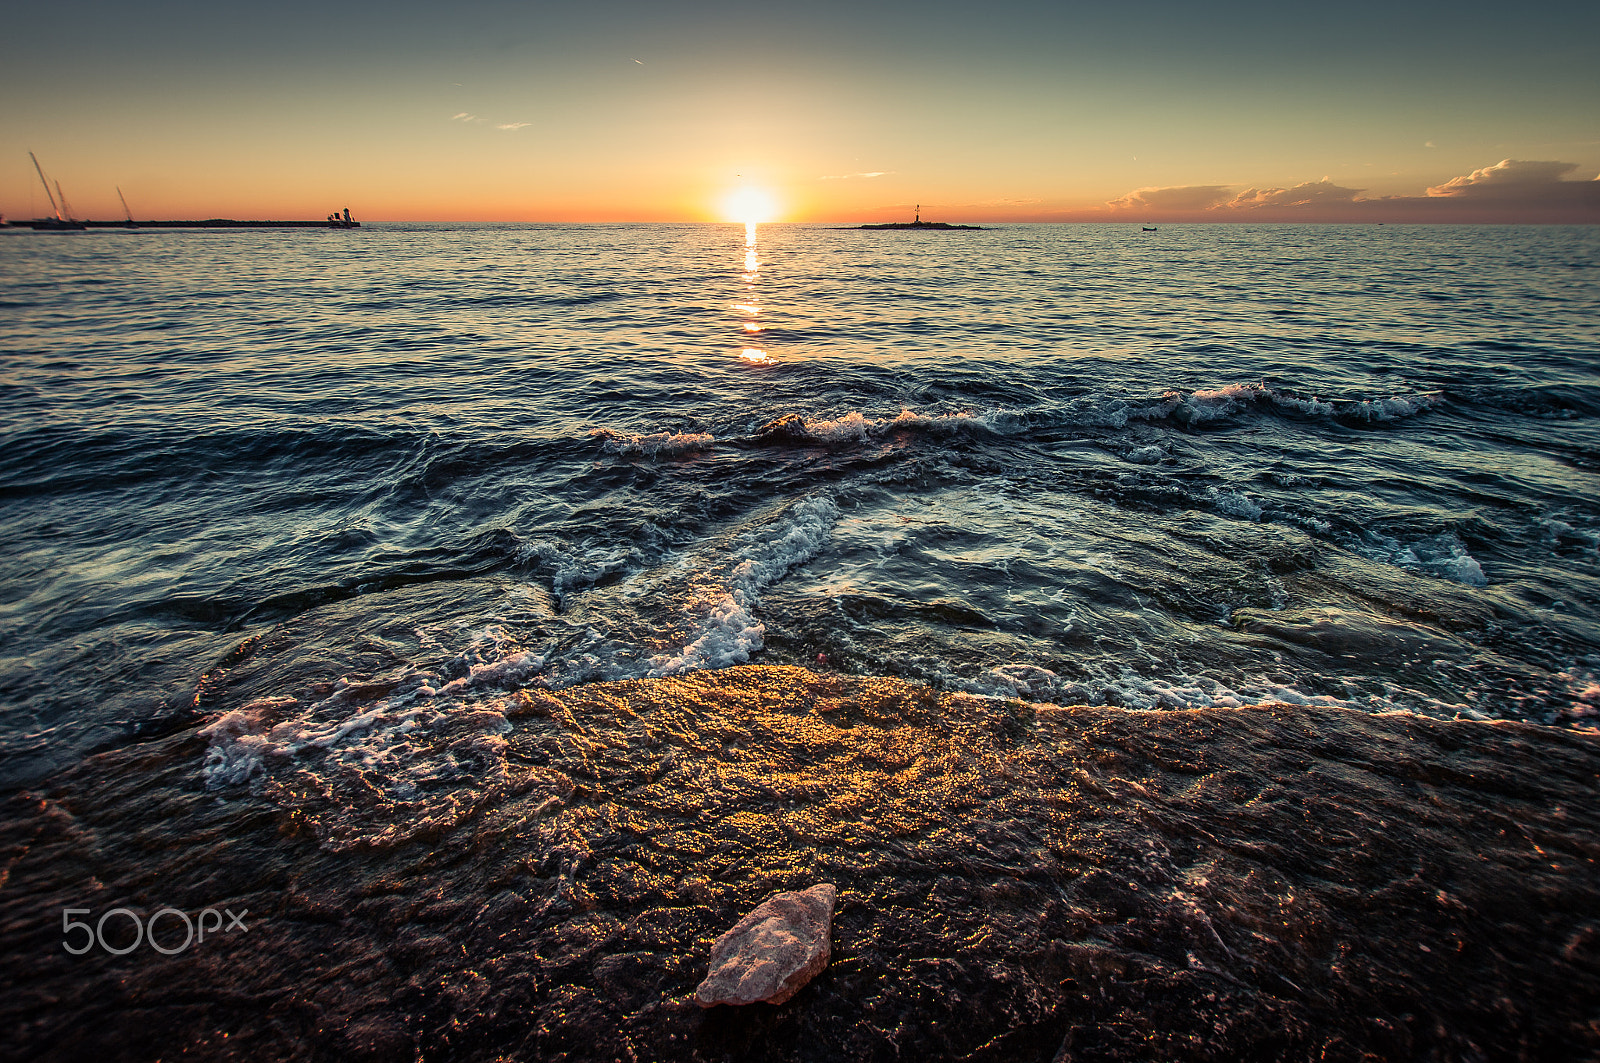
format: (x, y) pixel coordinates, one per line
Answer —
(653, 444)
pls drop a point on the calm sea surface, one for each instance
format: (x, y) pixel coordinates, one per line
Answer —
(423, 464)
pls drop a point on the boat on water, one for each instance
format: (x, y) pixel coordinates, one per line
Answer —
(1148, 228)
(63, 220)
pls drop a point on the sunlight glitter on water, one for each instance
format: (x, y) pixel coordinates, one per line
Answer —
(1289, 443)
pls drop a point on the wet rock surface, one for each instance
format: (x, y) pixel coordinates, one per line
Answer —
(1014, 881)
(774, 951)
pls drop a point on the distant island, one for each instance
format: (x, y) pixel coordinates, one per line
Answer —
(941, 225)
(918, 223)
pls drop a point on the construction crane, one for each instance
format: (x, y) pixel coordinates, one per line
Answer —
(63, 220)
(65, 208)
(40, 171)
(125, 209)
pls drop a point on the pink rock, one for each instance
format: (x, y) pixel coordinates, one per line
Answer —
(773, 951)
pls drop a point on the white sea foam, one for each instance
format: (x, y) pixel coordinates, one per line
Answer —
(1235, 504)
(856, 426)
(1214, 404)
(851, 426)
(1392, 408)
(351, 726)
(726, 629)
(247, 741)
(908, 418)
(1202, 406)
(1562, 528)
(656, 443)
(572, 569)
(1443, 555)
(1178, 691)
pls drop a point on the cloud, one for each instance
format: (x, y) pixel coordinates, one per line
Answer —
(1172, 198)
(1308, 194)
(848, 176)
(472, 119)
(1509, 191)
(1506, 175)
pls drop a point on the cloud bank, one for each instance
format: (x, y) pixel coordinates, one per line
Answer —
(1172, 198)
(1512, 190)
(1513, 177)
(1309, 194)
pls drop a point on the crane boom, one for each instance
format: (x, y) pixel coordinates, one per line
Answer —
(125, 209)
(40, 171)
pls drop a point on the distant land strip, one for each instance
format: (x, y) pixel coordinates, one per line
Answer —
(209, 223)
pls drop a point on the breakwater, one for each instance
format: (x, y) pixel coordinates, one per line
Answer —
(209, 223)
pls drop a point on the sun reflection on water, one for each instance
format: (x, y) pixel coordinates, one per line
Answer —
(751, 306)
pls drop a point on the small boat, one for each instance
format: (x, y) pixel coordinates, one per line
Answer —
(1148, 228)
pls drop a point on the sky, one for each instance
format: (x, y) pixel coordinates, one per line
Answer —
(620, 110)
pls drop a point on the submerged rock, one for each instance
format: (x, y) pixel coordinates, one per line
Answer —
(1030, 882)
(772, 952)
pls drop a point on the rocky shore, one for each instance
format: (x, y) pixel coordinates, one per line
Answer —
(1014, 881)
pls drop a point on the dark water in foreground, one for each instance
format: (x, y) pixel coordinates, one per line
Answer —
(1015, 882)
(1203, 466)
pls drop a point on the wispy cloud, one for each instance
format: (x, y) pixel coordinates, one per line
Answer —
(472, 119)
(851, 176)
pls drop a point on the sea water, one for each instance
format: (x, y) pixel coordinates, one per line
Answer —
(408, 467)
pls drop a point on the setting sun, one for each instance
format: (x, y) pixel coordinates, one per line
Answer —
(749, 205)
